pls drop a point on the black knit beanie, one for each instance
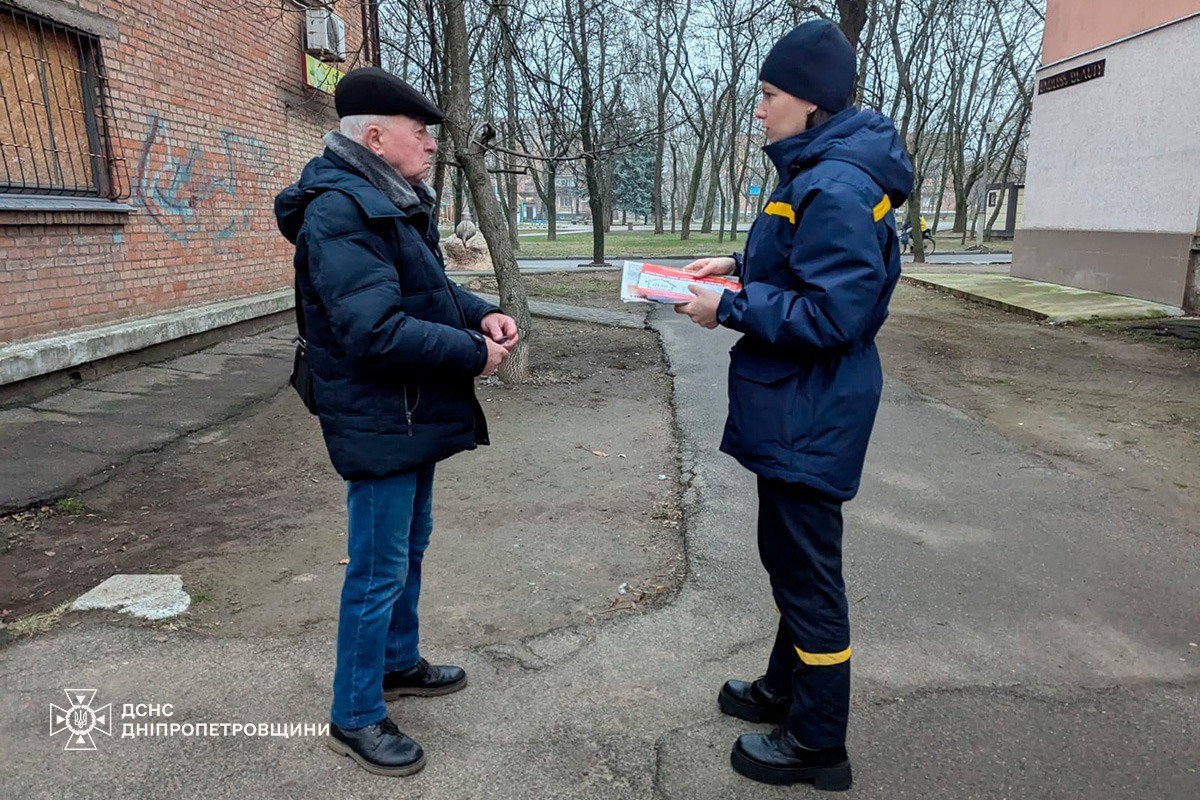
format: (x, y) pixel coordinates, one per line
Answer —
(814, 62)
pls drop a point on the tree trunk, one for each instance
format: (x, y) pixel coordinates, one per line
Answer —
(735, 75)
(510, 104)
(439, 172)
(660, 119)
(962, 210)
(710, 207)
(852, 18)
(459, 198)
(937, 216)
(721, 214)
(733, 181)
(864, 58)
(438, 59)
(914, 216)
(474, 166)
(609, 203)
(551, 201)
(693, 191)
(674, 184)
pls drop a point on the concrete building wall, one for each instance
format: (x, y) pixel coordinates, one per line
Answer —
(211, 118)
(1076, 26)
(1113, 185)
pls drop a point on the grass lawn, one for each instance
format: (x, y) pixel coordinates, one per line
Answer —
(620, 244)
(629, 244)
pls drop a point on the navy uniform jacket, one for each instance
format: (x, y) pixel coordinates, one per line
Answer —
(817, 273)
(393, 345)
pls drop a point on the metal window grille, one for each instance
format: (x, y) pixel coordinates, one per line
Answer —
(54, 123)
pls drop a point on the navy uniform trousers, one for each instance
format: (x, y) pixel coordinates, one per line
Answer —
(800, 543)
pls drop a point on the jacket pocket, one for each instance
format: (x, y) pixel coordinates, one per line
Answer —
(419, 271)
(769, 417)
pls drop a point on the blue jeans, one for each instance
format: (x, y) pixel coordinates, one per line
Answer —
(390, 520)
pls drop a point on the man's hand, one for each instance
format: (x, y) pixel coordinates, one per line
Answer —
(501, 329)
(703, 267)
(702, 310)
(496, 356)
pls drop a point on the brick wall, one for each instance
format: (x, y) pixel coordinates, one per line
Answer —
(212, 118)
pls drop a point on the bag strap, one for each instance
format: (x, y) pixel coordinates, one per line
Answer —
(299, 308)
(310, 195)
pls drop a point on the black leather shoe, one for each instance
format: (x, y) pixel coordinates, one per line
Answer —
(779, 759)
(380, 748)
(753, 702)
(423, 680)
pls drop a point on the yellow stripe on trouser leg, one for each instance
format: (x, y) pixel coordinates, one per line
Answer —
(823, 659)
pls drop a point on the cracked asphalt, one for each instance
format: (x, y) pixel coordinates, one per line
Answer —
(1017, 634)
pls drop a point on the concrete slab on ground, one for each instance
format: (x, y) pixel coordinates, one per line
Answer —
(151, 597)
(1045, 301)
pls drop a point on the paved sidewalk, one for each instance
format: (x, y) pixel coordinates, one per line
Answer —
(1018, 634)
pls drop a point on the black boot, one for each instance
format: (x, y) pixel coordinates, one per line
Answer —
(423, 680)
(778, 758)
(753, 702)
(380, 748)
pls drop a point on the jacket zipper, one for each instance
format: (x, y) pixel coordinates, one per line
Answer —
(408, 412)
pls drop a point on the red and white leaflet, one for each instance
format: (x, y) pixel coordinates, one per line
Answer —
(644, 282)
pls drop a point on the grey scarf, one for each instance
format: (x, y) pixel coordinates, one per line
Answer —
(379, 173)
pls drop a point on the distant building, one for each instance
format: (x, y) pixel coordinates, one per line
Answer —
(1005, 204)
(568, 199)
(1113, 198)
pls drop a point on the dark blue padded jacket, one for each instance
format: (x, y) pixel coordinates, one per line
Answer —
(817, 273)
(393, 345)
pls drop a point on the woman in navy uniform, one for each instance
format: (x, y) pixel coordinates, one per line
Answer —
(817, 273)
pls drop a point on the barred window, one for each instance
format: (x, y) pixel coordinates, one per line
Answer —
(54, 132)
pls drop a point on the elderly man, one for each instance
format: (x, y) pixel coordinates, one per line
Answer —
(393, 347)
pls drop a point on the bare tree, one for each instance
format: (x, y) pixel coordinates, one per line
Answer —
(579, 32)
(571, 85)
(701, 107)
(913, 30)
(472, 160)
(669, 24)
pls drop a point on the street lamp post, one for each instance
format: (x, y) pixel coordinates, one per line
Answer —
(990, 131)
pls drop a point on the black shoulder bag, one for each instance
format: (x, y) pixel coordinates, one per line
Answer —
(301, 379)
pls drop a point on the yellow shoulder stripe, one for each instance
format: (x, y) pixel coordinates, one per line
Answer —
(823, 659)
(881, 210)
(778, 209)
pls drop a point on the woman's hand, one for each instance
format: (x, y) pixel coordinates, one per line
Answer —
(702, 310)
(719, 265)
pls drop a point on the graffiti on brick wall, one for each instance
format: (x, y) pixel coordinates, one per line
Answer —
(193, 192)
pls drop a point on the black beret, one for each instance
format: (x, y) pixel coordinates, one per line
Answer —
(371, 90)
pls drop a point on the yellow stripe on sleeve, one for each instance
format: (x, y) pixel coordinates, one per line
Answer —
(778, 209)
(881, 210)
